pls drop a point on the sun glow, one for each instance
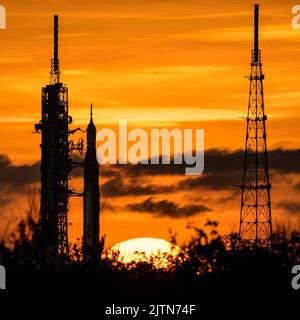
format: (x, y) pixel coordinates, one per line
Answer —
(156, 251)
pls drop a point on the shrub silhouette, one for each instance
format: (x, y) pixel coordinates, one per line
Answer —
(210, 267)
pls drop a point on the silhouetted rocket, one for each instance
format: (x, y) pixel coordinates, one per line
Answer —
(91, 200)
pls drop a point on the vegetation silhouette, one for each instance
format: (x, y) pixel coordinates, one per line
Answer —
(210, 268)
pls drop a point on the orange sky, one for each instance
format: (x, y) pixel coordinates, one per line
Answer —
(153, 63)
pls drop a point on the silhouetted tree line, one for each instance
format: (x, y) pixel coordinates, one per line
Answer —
(210, 268)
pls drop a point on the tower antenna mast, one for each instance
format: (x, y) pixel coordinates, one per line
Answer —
(55, 72)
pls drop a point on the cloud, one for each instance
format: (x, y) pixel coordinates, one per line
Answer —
(297, 186)
(165, 208)
(281, 160)
(292, 207)
(15, 179)
(222, 170)
(18, 175)
(106, 206)
(117, 187)
(5, 199)
(285, 161)
(218, 180)
(219, 160)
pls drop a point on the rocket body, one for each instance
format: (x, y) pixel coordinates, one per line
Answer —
(91, 200)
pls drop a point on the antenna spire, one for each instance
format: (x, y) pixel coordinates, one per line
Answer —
(55, 73)
(91, 111)
(256, 51)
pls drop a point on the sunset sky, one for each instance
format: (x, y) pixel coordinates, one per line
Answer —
(158, 63)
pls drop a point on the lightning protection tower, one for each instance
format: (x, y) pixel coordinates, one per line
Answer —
(255, 214)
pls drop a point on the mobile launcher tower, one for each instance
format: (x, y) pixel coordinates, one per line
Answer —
(55, 160)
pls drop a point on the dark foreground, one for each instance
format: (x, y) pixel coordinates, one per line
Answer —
(217, 274)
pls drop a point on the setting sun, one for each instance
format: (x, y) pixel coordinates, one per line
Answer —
(156, 251)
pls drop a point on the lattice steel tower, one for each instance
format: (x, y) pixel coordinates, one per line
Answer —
(55, 159)
(255, 215)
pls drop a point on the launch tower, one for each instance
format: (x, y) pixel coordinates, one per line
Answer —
(55, 159)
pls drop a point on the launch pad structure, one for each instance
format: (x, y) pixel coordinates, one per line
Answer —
(56, 165)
